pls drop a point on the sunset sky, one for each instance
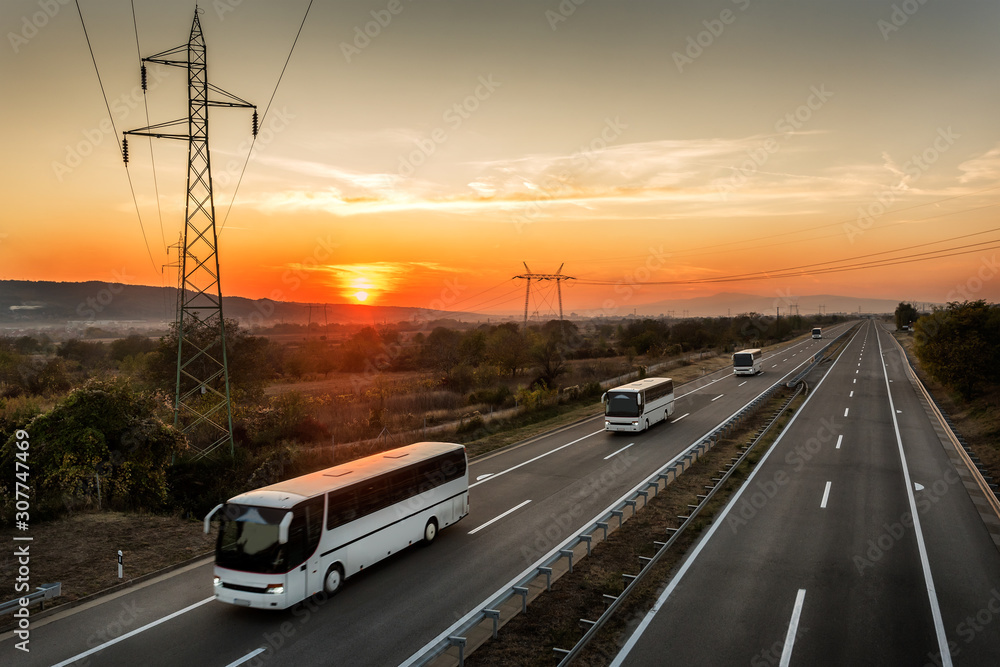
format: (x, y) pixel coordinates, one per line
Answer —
(421, 163)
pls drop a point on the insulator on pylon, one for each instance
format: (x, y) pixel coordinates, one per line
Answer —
(255, 122)
(125, 149)
(143, 77)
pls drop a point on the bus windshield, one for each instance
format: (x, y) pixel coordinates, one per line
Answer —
(248, 539)
(622, 405)
(742, 359)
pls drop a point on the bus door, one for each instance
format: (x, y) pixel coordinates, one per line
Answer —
(304, 576)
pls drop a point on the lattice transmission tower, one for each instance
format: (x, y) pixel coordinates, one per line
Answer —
(202, 407)
(529, 276)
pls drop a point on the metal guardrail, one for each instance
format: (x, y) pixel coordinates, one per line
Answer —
(646, 563)
(41, 594)
(818, 357)
(521, 587)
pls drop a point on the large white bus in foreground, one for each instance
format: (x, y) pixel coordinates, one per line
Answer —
(282, 543)
(747, 362)
(637, 405)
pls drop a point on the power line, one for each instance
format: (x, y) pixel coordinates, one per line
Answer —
(805, 268)
(145, 103)
(112, 117)
(263, 116)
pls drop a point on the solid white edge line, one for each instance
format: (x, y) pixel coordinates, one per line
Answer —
(475, 609)
(826, 496)
(540, 456)
(648, 618)
(942, 637)
(619, 451)
(793, 629)
(840, 439)
(125, 636)
(497, 518)
(248, 656)
(680, 418)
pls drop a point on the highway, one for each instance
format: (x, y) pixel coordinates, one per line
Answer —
(853, 542)
(524, 500)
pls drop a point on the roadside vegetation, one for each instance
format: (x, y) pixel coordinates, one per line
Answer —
(957, 350)
(99, 412)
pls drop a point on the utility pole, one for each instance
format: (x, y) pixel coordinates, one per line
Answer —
(529, 276)
(202, 407)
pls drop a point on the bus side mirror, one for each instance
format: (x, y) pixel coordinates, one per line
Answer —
(208, 518)
(283, 528)
(604, 398)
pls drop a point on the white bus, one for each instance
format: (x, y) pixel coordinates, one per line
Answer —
(817, 333)
(747, 362)
(282, 543)
(637, 405)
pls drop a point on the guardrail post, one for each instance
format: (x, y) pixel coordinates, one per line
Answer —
(568, 553)
(523, 592)
(460, 643)
(587, 539)
(495, 615)
(547, 571)
(621, 516)
(604, 526)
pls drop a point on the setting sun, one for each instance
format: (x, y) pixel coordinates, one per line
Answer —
(361, 296)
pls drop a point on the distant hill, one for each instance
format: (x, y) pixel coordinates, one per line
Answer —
(735, 303)
(29, 303)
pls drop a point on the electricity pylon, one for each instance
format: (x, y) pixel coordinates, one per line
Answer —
(529, 276)
(202, 407)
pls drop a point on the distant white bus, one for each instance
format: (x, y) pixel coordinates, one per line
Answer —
(817, 333)
(282, 543)
(638, 405)
(747, 362)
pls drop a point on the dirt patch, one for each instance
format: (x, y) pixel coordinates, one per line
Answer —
(81, 551)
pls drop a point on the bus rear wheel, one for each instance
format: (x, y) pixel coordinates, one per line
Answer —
(430, 531)
(334, 580)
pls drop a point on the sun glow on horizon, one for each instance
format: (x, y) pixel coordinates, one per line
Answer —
(361, 295)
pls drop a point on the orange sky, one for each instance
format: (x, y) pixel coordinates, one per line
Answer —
(628, 141)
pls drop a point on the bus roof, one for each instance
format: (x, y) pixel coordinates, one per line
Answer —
(284, 495)
(751, 350)
(639, 385)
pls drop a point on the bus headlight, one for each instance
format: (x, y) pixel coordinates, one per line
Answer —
(635, 422)
(217, 582)
(607, 424)
(277, 589)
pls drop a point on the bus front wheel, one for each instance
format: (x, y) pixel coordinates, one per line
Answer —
(430, 531)
(334, 579)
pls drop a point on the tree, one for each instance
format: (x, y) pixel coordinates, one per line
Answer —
(104, 440)
(906, 315)
(960, 346)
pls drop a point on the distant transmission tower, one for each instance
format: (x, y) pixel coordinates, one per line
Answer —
(202, 408)
(529, 276)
